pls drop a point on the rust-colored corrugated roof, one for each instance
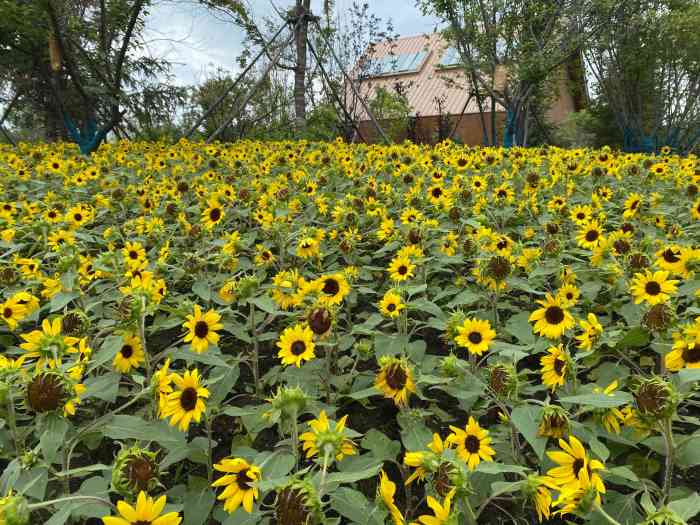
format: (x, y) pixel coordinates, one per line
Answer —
(428, 82)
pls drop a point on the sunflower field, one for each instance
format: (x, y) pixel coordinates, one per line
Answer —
(302, 333)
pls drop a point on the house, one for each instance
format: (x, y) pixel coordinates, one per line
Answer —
(442, 101)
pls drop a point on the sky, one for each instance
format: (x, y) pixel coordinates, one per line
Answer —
(197, 42)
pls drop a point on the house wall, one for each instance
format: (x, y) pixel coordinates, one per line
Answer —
(469, 130)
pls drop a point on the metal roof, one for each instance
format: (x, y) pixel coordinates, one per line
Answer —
(424, 84)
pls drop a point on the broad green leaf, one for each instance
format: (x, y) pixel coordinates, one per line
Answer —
(492, 467)
(686, 508)
(104, 387)
(53, 436)
(133, 427)
(265, 303)
(637, 337)
(383, 448)
(599, 400)
(352, 477)
(689, 375)
(61, 299)
(199, 500)
(526, 419)
(202, 289)
(520, 328)
(109, 348)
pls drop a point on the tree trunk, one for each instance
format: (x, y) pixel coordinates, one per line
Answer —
(302, 9)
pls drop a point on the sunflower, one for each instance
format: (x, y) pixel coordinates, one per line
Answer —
(321, 438)
(590, 235)
(695, 210)
(187, 402)
(684, 354)
(239, 480)
(391, 304)
(574, 468)
(12, 312)
(308, 247)
(592, 330)
(146, 512)
(387, 490)
(395, 380)
(555, 366)
(134, 254)
(401, 269)
(202, 329)
(654, 288)
(287, 285)
(213, 214)
(472, 443)
(553, 319)
(632, 205)
(47, 345)
(475, 335)
(441, 511)
(130, 355)
(296, 345)
(331, 289)
(581, 214)
(569, 294)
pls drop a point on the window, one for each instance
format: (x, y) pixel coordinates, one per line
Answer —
(397, 64)
(450, 58)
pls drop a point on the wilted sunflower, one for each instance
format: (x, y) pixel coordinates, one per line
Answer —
(130, 355)
(296, 345)
(146, 512)
(387, 490)
(240, 482)
(472, 444)
(186, 403)
(391, 304)
(202, 329)
(654, 288)
(553, 319)
(555, 366)
(395, 380)
(475, 335)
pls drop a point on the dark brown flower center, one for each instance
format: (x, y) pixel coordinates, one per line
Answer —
(652, 288)
(133, 254)
(78, 217)
(559, 365)
(140, 471)
(391, 307)
(243, 480)
(475, 337)
(188, 398)
(403, 269)
(127, 351)
(7, 312)
(201, 329)
(298, 347)
(215, 214)
(692, 354)
(331, 286)
(396, 377)
(592, 235)
(577, 466)
(46, 393)
(621, 246)
(471, 443)
(670, 256)
(554, 315)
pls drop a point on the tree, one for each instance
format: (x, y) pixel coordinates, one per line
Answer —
(510, 48)
(646, 65)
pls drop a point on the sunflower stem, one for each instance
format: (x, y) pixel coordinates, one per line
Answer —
(255, 358)
(295, 437)
(469, 511)
(95, 499)
(607, 516)
(668, 471)
(12, 423)
(210, 463)
(142, 335)
(324, 472)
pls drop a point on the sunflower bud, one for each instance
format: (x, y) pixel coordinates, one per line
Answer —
(663, 516)
(320, 321)
(658, 318)
(298, 504)
(364, 348)
(135, 469)
(554, 422)
(453, 323)
(290, 401)
(47, 391)
(503, 380)
(443, 478)
(14, 510)
(414, 236)
(75, 323)
(638, 261)
(247, 286)
(655, 398)
(8, 276)
(449, 366)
